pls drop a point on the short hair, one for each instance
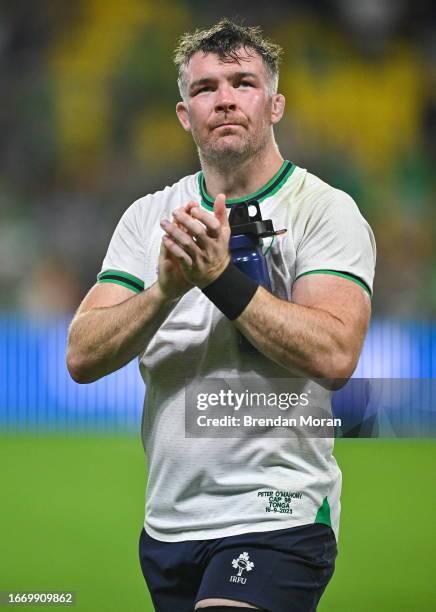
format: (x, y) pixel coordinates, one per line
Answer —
(226, 39)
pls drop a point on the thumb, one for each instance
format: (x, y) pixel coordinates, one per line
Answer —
(220, 210)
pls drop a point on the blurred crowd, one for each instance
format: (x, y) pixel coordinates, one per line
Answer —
(87, 125)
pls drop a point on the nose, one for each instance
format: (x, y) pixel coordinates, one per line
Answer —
(225, 100)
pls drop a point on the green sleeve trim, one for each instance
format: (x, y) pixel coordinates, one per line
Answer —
(347, 275)
(323, 514)
(121, 278)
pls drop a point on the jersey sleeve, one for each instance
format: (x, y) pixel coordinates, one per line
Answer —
(124, 263)
(336, 239)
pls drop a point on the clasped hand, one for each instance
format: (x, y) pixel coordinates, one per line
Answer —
(199, 241)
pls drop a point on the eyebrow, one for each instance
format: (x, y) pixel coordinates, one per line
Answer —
(206, 80)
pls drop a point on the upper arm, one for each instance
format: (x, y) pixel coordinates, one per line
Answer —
(332, 237)
(104, 295)
(335, 264)
(122, 271)
(341, 298)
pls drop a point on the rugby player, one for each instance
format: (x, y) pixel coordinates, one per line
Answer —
(215, 535)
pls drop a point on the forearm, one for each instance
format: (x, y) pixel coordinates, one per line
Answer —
(307, 341)
(319, 335)
(102, 340)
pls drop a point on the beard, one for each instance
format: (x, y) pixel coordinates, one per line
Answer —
(229, 151)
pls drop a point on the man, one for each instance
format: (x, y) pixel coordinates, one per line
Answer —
(169, 294)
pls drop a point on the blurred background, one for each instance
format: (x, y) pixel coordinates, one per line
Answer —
(87, 122)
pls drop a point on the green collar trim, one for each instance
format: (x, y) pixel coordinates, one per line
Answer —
(269, 189)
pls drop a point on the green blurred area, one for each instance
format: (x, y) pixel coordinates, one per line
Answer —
(88, 125)
(72, 512)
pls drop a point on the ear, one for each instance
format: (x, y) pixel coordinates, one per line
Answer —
(277, 108)
(183, 116)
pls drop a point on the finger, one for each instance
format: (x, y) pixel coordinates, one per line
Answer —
(187, 208)
(165, 252)
(178, 224)
(178, 234)
(189, 224)
(220, 210)
(181, 237)
(191, 205)
(212, 224)
(177, 251)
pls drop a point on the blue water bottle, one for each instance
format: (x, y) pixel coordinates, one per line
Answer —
(246, 241)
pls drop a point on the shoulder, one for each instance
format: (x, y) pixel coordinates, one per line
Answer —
(153, 206)
(185, 187)
(325, 213)
(319, 209)
(330, 233)
(316, 198)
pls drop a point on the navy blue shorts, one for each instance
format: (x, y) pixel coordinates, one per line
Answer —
(279, 571)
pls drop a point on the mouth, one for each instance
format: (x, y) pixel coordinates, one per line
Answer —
(227, 125)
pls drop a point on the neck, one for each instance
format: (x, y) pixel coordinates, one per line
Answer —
(244, 177)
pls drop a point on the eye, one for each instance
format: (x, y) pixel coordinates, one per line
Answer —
(205, 88)
(245, 84)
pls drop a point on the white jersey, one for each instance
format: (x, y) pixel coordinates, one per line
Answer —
(207, 488)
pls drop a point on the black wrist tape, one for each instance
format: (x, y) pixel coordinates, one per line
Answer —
(231, 292)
